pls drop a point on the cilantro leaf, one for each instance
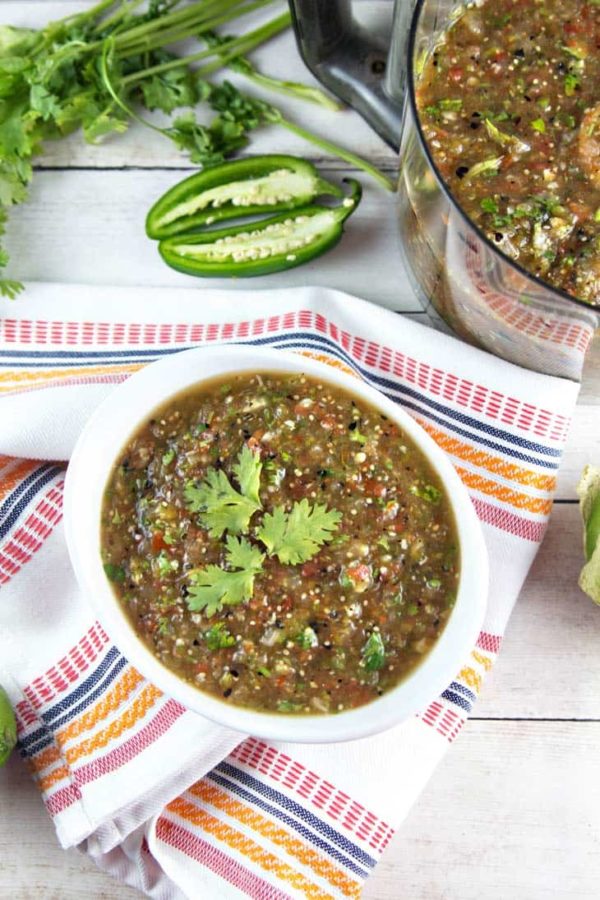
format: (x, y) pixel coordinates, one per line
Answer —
(44, 102)
(17, 41)
(220, 506)
(212, 588)
(296, 536)
(103, 122)
(10, 288)
(12, 189)
(171, 89)
(572, 82)
(248, 471)
(288, 706)
(489, 205)
(207, 145)
(373, 654)
(241, 554)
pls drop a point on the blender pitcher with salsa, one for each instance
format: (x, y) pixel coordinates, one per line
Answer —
(495, 108)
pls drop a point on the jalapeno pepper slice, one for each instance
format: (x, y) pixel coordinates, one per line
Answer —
(244, 187)
(259, 248)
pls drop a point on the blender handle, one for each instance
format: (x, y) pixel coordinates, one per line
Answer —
(363, 70)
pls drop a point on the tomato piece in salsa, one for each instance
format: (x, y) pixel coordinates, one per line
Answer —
(509, 103)
(280, 544)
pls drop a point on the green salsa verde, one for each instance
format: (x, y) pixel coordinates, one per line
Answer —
(509, 103)
(280, 544)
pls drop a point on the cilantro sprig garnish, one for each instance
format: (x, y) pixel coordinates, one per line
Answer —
(293, 536)
(296, 536)
(220, 506)
(213, 587)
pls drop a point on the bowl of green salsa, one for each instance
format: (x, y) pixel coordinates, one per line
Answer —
(275, 544)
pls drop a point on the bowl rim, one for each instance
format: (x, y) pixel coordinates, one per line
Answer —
(105, 435)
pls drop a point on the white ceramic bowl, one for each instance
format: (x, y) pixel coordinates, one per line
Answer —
(102, 441)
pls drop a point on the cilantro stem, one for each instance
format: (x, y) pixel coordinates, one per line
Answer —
(193, 12)
(152, 40)
(87, 15)
(246, 68)
(336, 150)
(108, 46)
(98, 9)
(245, 41)
(293, 89)
(125, 9)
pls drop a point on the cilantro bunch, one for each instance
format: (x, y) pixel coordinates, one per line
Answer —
(94, 69)
(293, 536)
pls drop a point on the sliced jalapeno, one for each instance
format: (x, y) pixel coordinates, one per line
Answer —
(244, 187)
(259, 248)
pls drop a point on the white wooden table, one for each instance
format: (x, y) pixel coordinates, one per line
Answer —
(514, 809)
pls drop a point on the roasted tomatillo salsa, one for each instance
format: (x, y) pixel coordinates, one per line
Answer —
(509, 102)
(280, 544)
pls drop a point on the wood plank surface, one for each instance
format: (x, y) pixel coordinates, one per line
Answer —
(88, 227)
(528, 831)
(514, 809)
(511, 812)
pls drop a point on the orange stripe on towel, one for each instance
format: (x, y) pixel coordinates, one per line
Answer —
(130, 717)
(249, 848)
(24, 377)
(113, 699)
(53, 777)
(505, 494)
(209, 793)
(43, 760)
(15, 475)
(485, 460)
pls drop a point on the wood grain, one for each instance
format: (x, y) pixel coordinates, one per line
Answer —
(528, 831)
(88, 227)
(549, 663)
(514, 809)
(583, 444)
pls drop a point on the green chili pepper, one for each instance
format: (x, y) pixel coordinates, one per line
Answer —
(8, 728)
(236, 189)
(271, 245)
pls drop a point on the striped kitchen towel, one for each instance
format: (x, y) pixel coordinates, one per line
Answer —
(162, 798)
